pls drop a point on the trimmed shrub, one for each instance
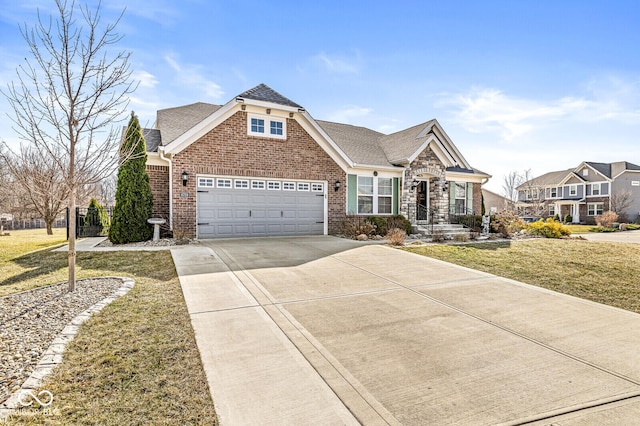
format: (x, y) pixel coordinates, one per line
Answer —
(607, 219)
(568, 218)
(548, 228)
(556, 217)
(396, 237)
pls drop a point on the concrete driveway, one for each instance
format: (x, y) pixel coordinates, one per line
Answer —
(321, 330)
(614, 237)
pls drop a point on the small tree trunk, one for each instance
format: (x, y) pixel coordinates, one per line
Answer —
(49, 224)
(72, 240)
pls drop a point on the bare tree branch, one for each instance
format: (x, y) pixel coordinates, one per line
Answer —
(69, 96)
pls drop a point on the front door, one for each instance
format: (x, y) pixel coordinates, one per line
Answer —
(422, 200)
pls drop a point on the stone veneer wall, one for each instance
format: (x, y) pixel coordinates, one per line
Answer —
(439, 198)
(228, 150)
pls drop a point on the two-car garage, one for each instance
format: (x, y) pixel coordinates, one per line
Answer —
(230, 206)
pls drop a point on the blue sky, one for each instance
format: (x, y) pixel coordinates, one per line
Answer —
(540, 85)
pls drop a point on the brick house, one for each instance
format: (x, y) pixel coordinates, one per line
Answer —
(583, 192)
(261, 165)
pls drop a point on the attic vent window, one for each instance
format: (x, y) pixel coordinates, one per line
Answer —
(585, 172)
(267, 126)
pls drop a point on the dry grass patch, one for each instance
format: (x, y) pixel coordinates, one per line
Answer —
(136, 362)
(603, 272)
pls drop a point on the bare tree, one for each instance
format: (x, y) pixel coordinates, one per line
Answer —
(510, 186)
(40, 182)
(69, 96)
(619, 201)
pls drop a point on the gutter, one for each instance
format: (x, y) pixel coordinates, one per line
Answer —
(161, 152)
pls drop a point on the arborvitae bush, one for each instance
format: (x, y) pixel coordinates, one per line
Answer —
(96, 221)
(134, 201)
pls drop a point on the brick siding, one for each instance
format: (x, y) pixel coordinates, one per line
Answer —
(159, 182)
(227, 150)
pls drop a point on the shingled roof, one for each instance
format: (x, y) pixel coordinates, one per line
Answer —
(262, 92)
(361, 145)
(173, 122)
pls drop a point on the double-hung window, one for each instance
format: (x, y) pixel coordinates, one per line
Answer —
(595, 189)
(594, 209)
(365, 194)
(375, 195)
(573, 190)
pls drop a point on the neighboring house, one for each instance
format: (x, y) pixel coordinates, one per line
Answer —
(494, 203)
(583, 192)
(261, 165)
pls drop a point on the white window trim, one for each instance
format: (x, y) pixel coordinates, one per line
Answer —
(241, 183)
(573, 190)
(552, 210)
(288, 186)
(258, 184)
(205, 182)
(274, 185)
(595, 209)
(599, 186)
(303, 186)
(223, 183)
(376, 196)
(267, 126)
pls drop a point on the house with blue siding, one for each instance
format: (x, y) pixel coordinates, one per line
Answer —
(583, 192)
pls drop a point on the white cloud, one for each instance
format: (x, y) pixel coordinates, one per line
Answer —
(193, 76)
(146, 79)
(338, 64)
(349, 113)
(489, 110)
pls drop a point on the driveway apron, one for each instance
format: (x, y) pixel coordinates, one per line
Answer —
(322, 330)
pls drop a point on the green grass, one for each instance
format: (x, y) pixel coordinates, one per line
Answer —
(135, 362)
(603, 272)
(579, 229)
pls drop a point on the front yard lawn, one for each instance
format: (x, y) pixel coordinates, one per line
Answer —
(603, 272)
(135, 362)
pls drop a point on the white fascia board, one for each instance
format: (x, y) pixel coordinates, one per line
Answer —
(154, 159)
(202, 128)
(623, 172)
(570, 175)
(450, 145)
(465, 177)
(383, 171)
(424, 146)
(270, 105)
(442, 154)
(323, 139)
(584, 163)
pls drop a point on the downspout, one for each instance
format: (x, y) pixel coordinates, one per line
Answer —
(161, 152)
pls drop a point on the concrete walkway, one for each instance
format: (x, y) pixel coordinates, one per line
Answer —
(328, 331)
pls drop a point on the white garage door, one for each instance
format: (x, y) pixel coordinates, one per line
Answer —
(246, 207)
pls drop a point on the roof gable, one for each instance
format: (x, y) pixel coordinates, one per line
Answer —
(264, 93)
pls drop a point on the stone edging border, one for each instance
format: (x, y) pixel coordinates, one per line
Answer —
(53, 355)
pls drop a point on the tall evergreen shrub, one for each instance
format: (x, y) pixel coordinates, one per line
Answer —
(134, 201)
(96, 222)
